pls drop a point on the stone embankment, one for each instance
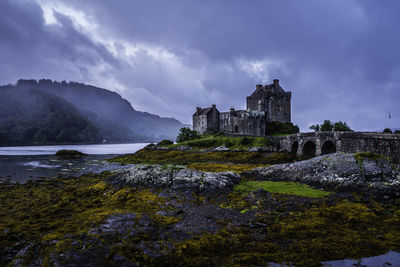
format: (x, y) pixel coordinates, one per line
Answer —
(338, 172)
(175, 178)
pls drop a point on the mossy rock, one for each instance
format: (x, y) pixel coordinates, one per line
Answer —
(70, 153)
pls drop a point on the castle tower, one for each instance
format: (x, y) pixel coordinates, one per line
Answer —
(275, 101)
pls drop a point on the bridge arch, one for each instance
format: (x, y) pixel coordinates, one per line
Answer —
(309, 149)
(294, 147)
(328, 148)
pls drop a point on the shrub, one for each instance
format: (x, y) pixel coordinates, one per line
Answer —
(245, 141)
(229, 143)
(277, 127)
(262, 141)
(387, 130)
(186, 134)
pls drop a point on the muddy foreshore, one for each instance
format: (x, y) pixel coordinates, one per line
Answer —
(174, 213)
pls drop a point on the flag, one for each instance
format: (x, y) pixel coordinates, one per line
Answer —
(390, 115)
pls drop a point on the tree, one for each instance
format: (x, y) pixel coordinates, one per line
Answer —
(397, 131)
(341, 126)
(387, 130)
(327, 126)
(315, 127)
(186, 134)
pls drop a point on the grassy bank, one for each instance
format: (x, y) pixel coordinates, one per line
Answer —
(209, 141)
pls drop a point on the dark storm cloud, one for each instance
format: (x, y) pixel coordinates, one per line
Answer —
(340, 59)
(31, 49)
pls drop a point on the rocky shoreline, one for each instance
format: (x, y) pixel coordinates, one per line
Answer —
(175, 215)
(337, 171)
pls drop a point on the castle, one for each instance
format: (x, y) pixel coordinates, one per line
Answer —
(267, 103)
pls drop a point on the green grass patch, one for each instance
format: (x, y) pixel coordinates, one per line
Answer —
(209, 141)
(360, 156)
(287, 188)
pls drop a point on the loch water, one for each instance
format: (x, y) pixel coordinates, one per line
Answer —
(24, 163)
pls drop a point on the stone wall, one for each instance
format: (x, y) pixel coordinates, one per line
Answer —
(387, 145)
(252, 103)
(200, 123)
(213, 120)
(278, 108)
(243, 122)
(206, 120)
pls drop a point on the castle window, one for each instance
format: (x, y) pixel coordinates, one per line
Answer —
(236, 129)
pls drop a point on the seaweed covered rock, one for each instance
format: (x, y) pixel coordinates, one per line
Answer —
(69, 153)
(175, 178)
(337, 171)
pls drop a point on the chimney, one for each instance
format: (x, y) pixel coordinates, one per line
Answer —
(232, 109)
(258, 86)
(198, 109)
(214, 106)
(276, 82)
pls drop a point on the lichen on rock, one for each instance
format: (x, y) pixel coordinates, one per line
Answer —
(183, 179)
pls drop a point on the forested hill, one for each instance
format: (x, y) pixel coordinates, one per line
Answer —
(43, 111)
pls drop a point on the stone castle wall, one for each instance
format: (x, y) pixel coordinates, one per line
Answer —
(243, 122)
(213, 121)
(200, 123)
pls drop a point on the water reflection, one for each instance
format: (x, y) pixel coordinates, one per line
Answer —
(22, 168)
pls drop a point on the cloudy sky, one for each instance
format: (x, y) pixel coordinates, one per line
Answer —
(340, 58)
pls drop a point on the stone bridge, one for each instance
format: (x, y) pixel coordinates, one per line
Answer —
(320, 143)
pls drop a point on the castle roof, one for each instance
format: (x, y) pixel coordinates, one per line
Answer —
(203, 111)
(273, 88)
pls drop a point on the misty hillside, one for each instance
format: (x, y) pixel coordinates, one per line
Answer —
(106, 113)
(32, 116)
